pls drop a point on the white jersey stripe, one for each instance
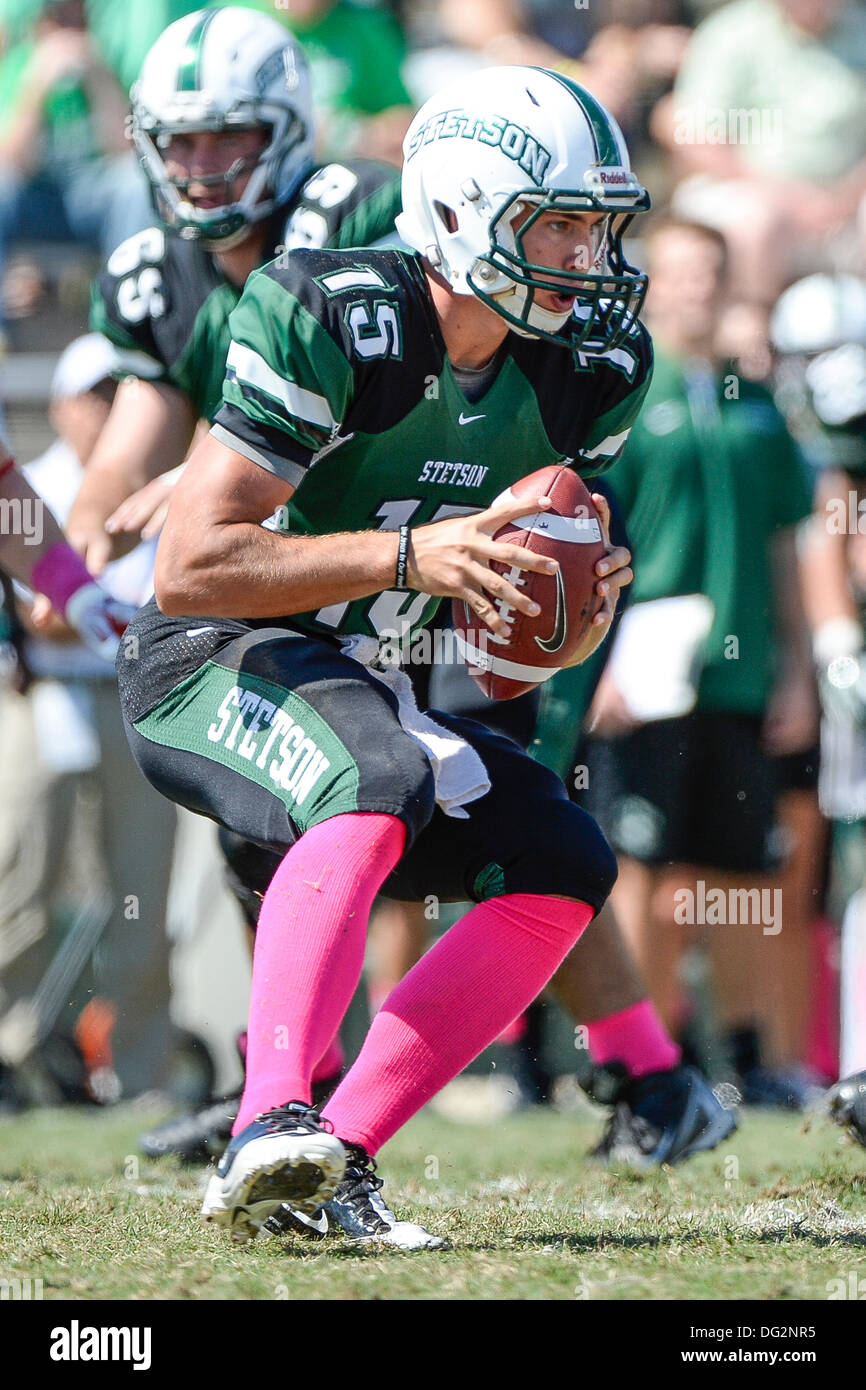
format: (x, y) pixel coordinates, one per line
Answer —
(608, 447)
(251, 367)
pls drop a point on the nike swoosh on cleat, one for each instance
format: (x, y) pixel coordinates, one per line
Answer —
(467, 419)
(560, 626)
(194, 631)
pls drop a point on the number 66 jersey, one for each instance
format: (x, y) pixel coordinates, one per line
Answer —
(165, 303)
(339, 382)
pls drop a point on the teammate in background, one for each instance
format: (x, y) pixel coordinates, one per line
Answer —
(690, 797)
(66, 736)
(38, 555)
(222, 121)
(819, 334)
(347, 373)
(662, 1110)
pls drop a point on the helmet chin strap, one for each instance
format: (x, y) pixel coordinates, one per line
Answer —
(228, 243)
(513, 302)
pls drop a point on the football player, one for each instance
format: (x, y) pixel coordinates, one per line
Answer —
(222, 121)
(383, 401)
(819, 333)
(662, 1110)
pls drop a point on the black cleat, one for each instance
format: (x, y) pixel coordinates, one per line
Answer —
(285, 1155)
(780, 1088)
(847, 1105)
(202, 1135)
(193, 1138)
(664, 1117)
(358, 1209)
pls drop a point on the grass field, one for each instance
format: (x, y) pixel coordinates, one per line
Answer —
(777, 1213)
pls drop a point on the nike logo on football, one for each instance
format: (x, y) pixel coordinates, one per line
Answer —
(560, 625)
(467, 419)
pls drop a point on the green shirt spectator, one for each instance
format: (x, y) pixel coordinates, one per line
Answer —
(67, 133)
(17, 18)
(355, 54)
(124, 32)
(66, 170)
(709, 475)
(793, 103)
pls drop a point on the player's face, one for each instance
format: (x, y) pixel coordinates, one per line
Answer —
(564, 241)
(201, 159)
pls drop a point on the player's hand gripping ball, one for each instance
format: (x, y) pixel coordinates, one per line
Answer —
(570, 531)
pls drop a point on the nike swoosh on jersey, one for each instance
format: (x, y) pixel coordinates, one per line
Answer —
(560, 625)
(467, 419)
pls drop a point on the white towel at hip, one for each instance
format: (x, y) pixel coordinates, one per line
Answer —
(458, 773)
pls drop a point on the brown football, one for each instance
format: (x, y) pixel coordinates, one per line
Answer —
(570, 532)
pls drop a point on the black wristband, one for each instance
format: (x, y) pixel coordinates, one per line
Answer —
(402, 558)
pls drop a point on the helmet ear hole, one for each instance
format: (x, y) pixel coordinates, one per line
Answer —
(447, 216)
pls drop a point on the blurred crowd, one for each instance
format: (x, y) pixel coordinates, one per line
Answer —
(738, 769)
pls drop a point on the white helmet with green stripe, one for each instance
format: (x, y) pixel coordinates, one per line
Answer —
(218, 70)
(483, 150)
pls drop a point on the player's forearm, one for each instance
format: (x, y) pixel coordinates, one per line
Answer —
(148, 432)
(240, 570)
(104, 488)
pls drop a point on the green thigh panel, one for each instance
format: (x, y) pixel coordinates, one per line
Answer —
(262, 731)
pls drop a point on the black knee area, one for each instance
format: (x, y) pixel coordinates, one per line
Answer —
(392, 774)
(248, 869)
(564, 855)
(397, 779)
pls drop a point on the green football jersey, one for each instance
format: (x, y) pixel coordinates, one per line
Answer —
(339, 382)
(165, 303)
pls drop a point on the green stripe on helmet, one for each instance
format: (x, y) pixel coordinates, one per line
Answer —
(606, 148)
(189, 72)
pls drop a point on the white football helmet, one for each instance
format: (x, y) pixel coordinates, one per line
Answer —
(818, 329)
(818, 313)
(487, 147)
(222, 69)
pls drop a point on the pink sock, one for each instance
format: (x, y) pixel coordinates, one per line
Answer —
(309, 952)
(636, 1037)
(477, 978)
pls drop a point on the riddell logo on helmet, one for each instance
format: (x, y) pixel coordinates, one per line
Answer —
(616, 176)
(497, 131)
